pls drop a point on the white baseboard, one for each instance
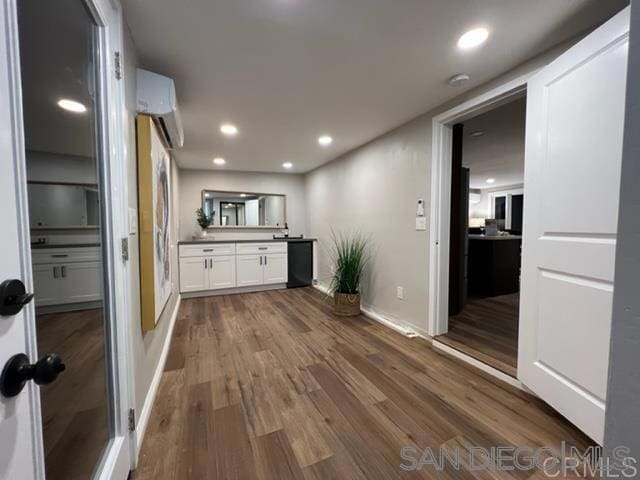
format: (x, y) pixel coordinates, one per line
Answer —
(143, 419)
(400, 327)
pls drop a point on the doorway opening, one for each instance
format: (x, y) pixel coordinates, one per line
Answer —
(485, 234)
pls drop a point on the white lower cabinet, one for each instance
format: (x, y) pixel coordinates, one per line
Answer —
(275, 268)
(249, 270)
(67, 275)
(194, 275)
(222, 272)
(198, 274)
(208, 267)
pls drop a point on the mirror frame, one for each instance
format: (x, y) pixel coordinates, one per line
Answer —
(267, 227)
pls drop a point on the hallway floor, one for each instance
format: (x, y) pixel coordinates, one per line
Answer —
(271, 385)
(487, 330)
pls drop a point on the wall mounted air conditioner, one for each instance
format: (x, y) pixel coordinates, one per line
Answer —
(157, 98)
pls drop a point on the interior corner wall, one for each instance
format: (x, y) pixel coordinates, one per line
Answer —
(146, 347)
(192, 182)
(622, 418)
(374, 190)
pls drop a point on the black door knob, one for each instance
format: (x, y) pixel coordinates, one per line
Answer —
(17, 371)
(13, 296)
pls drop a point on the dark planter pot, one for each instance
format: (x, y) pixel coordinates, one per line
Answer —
(346, 304)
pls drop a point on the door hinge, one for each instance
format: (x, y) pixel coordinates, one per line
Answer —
(117, 63)
(124, 249)
(132, 420)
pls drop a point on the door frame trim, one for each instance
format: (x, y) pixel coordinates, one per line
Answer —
(108, 16)
(440, 208)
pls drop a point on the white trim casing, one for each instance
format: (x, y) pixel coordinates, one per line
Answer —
(108, 15)
(143, 419)
(438, 281)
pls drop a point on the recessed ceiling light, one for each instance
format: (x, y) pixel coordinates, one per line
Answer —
(458, 79)
(71, 105)
(243, 195)
(473, 38)
(219, 161)
(287, 165)
(325, 140)
(229, 129)
(491, 180)
(477, 133)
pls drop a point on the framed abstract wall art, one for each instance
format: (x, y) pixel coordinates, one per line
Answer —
(154, 212)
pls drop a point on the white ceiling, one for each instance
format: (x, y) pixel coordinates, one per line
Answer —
(499, 153)
(287, 71)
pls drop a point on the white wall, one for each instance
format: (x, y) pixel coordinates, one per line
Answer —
(374, 190)
(146, 347)
(192, 182)
(53, 167)
(622, 423)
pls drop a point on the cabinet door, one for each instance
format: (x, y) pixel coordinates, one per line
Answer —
(46, 285)
(275, 268)
(222, 272)
(249, 270)
(194, 274)
(81, 282)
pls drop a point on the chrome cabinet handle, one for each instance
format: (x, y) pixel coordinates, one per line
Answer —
(64, 271)
(55, 272)
(263, 248)
(205, 263)
(211, 263)
(265, 259)
(59, 255)
(260, 259)
(208, 250)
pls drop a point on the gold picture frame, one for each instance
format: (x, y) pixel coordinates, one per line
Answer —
(154, 213)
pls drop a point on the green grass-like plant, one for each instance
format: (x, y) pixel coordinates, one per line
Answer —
(350, 256)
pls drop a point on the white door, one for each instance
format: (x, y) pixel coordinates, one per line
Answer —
(31, 448)
(275, 268)
(222, 273)
(249, 270)
(575, 120)
(21, 455)
(194, 274)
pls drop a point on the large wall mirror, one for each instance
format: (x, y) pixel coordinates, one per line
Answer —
(245, 209)
(63, 205)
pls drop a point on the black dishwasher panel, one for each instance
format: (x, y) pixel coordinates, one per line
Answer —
(300, 259)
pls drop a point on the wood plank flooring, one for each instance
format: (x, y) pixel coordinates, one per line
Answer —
(74, 407)
(487, 330)
(271, 385)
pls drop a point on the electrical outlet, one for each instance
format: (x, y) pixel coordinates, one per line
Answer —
(400, 292)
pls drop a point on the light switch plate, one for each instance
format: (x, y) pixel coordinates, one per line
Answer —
(421, 223)
(133, 221)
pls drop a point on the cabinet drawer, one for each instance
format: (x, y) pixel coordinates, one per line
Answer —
(207, 250)
(65, 255)
(261, 248)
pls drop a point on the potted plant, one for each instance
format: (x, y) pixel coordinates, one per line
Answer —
(204, 221)
(350, 256)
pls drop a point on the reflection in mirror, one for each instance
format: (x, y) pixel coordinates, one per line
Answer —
(63, 205)
(60, 102)
(244, 209)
